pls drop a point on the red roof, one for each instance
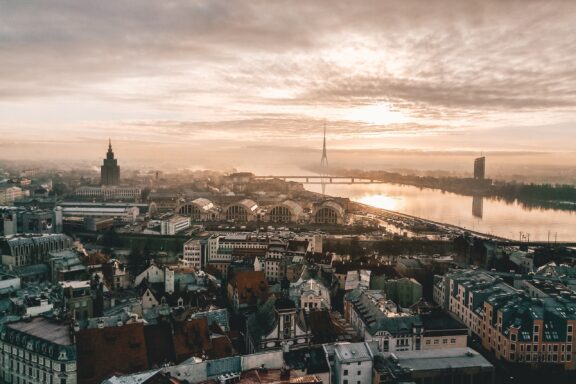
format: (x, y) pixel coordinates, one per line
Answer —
(251, 286)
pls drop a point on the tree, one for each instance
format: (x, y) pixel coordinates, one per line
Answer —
(111, 239)
(135, 262)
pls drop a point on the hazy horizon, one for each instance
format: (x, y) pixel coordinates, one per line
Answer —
(250, 84)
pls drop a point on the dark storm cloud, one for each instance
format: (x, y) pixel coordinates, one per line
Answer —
(473, 52)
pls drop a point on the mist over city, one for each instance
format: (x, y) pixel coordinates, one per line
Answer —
(272, 191)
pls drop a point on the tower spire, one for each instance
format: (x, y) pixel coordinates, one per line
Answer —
(324, 161)
(110, 171)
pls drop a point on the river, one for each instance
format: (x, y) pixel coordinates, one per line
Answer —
(484, 215)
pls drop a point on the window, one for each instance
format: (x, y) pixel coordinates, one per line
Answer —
(569, 329)
(359, 373)
(345, 372)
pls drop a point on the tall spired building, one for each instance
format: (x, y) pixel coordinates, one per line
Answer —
(110, 170)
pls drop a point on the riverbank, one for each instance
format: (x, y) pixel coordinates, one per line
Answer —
(414, 224)
(548, 196)
(492, 218)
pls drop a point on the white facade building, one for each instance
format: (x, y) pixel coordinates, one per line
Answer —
(110, 192)
(153, 274)
(8, 281)
(310, 294)
(192, 253)
(350, 363)
(128, 214)
(377, 319)
(273, 260)
(220, 247)
(174, 225)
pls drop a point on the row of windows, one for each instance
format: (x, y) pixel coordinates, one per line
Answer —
(513, 337)
(15, 379)
(33, 359)
(549, 357)
(549, 347)
(23, 368)
(22, 353)
(444, 341)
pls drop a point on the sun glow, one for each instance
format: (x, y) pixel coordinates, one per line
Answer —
(380, 201)
(375, 114)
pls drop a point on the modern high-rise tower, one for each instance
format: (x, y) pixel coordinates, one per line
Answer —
(110, 170)
(480, 168)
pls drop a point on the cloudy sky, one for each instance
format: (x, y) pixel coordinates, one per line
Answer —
(191, 80)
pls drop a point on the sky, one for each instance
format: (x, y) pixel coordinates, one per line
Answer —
(252, 83)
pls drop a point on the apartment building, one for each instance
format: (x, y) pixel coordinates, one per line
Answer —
(22, 250)
(220, 248)
(380, 320)
(533, 325)
(37, 350)
(350, 363)
(193, 253)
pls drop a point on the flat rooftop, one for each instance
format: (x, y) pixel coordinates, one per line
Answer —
(441, 359)
(43, 329)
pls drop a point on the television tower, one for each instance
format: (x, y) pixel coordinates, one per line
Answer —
(324, 162)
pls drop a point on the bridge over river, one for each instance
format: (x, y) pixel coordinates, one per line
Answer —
(315, 179)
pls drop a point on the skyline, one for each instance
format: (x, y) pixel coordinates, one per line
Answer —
(388, 77)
